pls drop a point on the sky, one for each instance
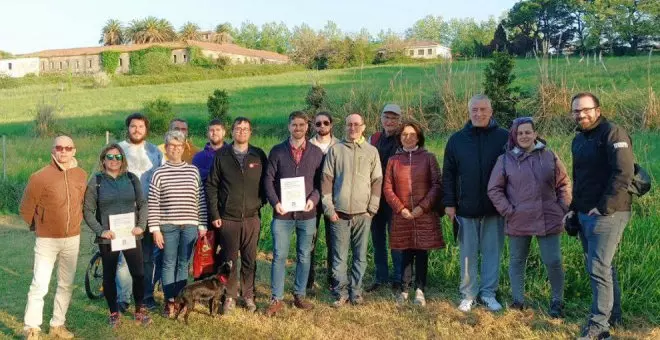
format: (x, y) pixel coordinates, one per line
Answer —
(35, 25)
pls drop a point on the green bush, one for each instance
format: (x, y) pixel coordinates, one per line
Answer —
(110, 61)
(316, 99)
(152, 60)
(498, 77)
(12, 192)
(218, 106)
(45, 119)
(160, 113)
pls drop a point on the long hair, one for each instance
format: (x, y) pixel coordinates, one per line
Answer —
(124, 164)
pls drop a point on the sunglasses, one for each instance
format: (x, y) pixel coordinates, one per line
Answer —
(322, 123)
(61, 148)
(117, 157)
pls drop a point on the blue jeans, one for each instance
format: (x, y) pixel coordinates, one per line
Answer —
(281, 231)
(380, 227)
(179, 244)
(600, 236)
(152, 258)
(345, 235)
(550, 250)
(123, 281)
(483, 235)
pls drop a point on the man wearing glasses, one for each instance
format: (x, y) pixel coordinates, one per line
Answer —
(324, 139)
(603, 168)
(351, 188)
(189, 149)
(236, 193)
(52, 207)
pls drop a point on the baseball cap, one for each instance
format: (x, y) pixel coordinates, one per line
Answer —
(396, 109)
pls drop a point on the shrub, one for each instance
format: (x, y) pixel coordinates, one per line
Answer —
(160, 113)
(101, 80)
(109, 61)
(45, 118)
(315, 99)
(218, 106)
(151, 60)
(498, 78)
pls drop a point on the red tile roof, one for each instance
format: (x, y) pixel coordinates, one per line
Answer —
(422, 43)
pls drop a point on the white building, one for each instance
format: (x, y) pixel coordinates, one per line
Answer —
(19, 67)
(427, 50)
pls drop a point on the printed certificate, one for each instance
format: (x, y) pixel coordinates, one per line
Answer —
(293, 197)
(122, 225)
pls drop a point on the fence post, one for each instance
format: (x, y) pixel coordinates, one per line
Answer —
(107, 137)
(4, 157)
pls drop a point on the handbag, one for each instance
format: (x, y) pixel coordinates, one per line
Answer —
(203, 259)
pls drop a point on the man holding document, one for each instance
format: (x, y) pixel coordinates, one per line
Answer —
(291, 182)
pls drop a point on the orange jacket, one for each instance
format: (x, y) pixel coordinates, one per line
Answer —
(53, 198)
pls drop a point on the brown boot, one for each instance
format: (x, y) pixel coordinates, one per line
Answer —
(275, 307)
(32, 334)
(60, 332)
(301, 303)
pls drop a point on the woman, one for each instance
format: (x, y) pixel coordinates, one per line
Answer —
(177, 210)
(412, 188)
(115, 191)
(530, 188)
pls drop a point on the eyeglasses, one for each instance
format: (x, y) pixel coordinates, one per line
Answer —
(175, 146)
(245, 129)
(523, 120)
(322, 123)
(61, 148)
(585, 110)
(116, 157)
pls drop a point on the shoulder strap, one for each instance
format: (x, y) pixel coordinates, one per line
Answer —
(373, 140)
(134, 181)
(98, 190)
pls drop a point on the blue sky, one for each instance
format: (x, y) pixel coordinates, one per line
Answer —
(33, 25)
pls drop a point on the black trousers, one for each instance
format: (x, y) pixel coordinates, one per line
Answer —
(234, 237)
(110, 259)
(420, 259)
(328, 244)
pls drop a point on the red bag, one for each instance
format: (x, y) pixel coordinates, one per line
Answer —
(204, 254)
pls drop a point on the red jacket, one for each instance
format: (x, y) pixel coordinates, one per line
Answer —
(532, 191)
(413, 179)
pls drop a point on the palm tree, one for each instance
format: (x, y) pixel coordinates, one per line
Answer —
(150, 30)
(189, 31)
(223, 34)
(112, 33)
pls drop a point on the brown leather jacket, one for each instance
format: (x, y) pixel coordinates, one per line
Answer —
(53, 199)
(413, 179)
(531, 190)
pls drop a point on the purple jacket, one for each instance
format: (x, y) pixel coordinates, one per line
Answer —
(203, 161)
(281, 165)
(531, 190)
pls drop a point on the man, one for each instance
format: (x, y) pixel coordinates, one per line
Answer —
(189, 149)
(351, 189)
(204, 159)
(324, 140)
(387, 142)
(143, 159)
(235, 193)
(470, 156)
(603, 168)
(293, 158)
(52, 207)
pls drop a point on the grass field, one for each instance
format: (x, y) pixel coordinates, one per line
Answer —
(87, 113)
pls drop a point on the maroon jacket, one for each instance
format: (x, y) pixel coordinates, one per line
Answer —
(413, 179)
(531, 190)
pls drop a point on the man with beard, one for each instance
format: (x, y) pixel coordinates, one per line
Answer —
(203, 159)
(189, 149)
(143, 158)
(324, 140)
(293, 158)
(603, 168)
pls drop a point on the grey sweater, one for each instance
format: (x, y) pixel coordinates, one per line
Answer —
(352, 179)
(115, 196)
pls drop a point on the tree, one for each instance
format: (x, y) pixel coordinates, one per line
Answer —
(248, 35)
(499, 42)
(189, 31)
(331, 32)
(498, 78)
(306, 45)
(223, 34)
(274, 37)
(470, 38)
(112, 33)
(636, 21)
(150, 30)
(430, 28)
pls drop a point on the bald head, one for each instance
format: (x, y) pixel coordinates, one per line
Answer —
(63, 150)
(61, 140)
(354, 127)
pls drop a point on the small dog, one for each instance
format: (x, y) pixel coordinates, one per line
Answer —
(209, 290)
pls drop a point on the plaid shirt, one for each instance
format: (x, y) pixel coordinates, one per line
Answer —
(297, 152)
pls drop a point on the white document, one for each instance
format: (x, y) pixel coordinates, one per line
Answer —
(293, 196)
(122, 225)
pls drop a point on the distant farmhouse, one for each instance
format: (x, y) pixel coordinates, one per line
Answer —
(88, 59)
(426, 50)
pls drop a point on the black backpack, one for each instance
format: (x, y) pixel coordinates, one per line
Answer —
(641, 182)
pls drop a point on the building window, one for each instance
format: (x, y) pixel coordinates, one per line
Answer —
(120, 62)
(90, 63)
(429, 51)
(420, 51)
(174, 58)
(43, 66)
(411, 52)
(77, 64)
(9, 65)
(185, 58)
(52, 65)
(60, 65)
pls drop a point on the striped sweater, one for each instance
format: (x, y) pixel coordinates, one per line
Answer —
(176, 196)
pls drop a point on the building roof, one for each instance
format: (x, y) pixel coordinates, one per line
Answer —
(423, 43)
(223, 48)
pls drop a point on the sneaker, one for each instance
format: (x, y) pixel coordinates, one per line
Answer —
(228, 306)
(402, 298)
(340, 302)
(466, 305)
(358, 300)
(301, 303)
(419, 298)
(491, 303)
(250, 306)
(142, 316)
(274, 307)
(150, 304)
(556, 309)
(374, 287)
(517, 305)
(168, 309)
(32, 334)
(60, 332)
(114, 319)
(591, 333)
(123, 307)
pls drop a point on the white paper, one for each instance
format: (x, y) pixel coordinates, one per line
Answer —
(293, 196)
(122, 225)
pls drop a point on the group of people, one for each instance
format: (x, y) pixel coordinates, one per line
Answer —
(493, 183)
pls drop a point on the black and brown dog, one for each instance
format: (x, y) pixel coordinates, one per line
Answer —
(210, 289)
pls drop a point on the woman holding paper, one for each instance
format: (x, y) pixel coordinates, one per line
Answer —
(116, 211)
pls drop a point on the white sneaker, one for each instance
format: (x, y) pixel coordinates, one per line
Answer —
(402, 298)
(466, 305)
(491, 303)
(419, 298)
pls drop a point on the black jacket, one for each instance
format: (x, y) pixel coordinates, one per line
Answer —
(603, 167)
(387, 147)
(235, 193)
(470, 156)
